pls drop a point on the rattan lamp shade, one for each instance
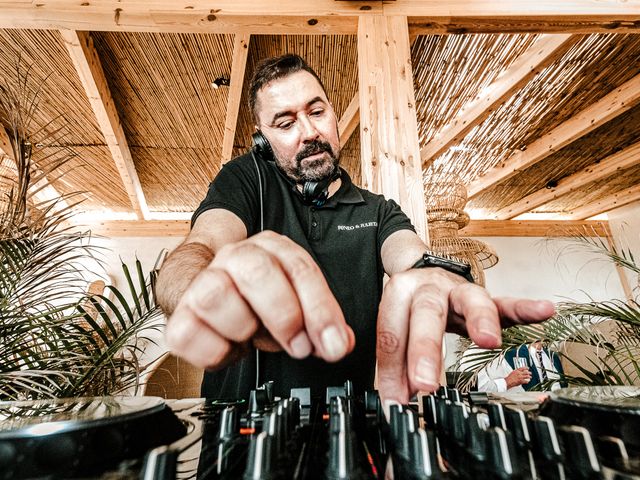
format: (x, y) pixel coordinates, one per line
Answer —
(445, 199)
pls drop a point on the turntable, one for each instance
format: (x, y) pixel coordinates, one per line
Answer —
(81, 437)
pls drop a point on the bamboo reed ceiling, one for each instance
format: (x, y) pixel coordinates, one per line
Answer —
(174, 121)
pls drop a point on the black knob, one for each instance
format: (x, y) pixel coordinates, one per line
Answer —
(503, 462)
(229, 423)
(341, 464)
(429, 411)
(423, 457)
(476, 437)
(582, 461)
(545, 439)
(496, 415)
(518, 425)
(258, 400)
(260, 459)
(458, 422)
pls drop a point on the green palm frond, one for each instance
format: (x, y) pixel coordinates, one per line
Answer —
(56, 340)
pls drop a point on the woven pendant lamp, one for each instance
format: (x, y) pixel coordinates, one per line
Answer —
(445, 199)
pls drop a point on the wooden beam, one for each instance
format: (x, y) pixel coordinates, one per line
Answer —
(543, 52)
(349, 120)
(42, 191)
(610, 106)
(87, 63)
(238, 67)
(519, 25)
(136, 228)
(532, 228)
(606, 167)
(321, 16)
(388, 126)
(615, 200)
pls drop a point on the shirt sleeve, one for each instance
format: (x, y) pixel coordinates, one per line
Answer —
(492, 378)
(236, 189)
(392, 220)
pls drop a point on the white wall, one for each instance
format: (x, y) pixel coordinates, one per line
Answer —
(625, 228)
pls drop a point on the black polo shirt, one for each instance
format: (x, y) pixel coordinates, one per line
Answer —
(344, 237)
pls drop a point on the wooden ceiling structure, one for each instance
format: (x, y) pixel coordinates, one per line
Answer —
(534, 105)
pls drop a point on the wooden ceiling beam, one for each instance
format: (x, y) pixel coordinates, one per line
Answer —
(607, 108)
(238, 67)
(615, 200)
(606, 167)
(349, 120)
(322, 16)
(543, 52)
(476, 228)
(87, 63)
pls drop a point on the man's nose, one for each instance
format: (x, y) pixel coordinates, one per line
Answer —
(308, 130)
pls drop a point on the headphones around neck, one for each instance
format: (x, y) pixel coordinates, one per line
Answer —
(313, 193)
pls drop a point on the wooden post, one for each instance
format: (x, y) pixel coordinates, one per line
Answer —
(390, 151)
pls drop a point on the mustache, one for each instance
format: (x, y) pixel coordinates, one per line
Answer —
(312, 148)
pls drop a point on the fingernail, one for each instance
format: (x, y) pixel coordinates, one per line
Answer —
(485, 332)
(333, 343)
(426, 373)
(300, 346)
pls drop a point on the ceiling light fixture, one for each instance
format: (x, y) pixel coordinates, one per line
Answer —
(220, 81)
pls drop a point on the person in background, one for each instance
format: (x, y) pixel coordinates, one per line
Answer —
(522, 369)
(286, 255)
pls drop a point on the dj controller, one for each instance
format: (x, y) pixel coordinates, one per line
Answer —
(576, 433)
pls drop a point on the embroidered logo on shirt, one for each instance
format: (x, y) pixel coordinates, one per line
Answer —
(357, 226)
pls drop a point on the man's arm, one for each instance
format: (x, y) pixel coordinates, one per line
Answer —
(419, 305)
(226, 291)
(212, 230)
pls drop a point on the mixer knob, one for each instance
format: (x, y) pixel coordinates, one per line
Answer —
(582, 462)
(258, 400)
(476, 438)
(429, 411)
(458, 422)
(518, 425)
(342, 463)
(453, 394)
(496, 415)
(502, 457)
(229, 423)
(442, 392)
(423, 458)
(260, 460)
(546, 439)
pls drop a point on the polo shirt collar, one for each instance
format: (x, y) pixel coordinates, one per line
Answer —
(347, 193)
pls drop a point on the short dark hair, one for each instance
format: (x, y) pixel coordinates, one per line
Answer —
(273, 68)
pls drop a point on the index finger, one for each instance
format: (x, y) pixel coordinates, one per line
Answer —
(322, 316)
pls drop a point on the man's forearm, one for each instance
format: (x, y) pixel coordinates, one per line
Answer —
(179, 269)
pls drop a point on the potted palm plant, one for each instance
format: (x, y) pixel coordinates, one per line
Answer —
(56, 340)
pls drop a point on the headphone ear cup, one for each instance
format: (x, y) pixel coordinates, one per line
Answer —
(261, 146)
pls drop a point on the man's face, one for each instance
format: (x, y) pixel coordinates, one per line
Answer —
(300, 124)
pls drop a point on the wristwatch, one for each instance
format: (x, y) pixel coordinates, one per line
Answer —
(456, 266)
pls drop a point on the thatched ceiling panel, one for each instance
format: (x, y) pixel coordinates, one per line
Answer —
(333, 57)
(606, 140)
(594, 191)
(89, 170)
(170, 186)
(39, 61)
(161, 84)
(590, 70)
(451, 70)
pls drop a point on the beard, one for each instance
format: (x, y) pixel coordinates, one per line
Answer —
(318, 168)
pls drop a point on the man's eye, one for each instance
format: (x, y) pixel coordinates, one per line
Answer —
(317, 113)
(285, 125)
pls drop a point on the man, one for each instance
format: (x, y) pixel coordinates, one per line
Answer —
(301, 278)
(521, 369)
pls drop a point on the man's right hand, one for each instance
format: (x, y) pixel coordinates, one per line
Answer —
(520, 376)
(266, 291)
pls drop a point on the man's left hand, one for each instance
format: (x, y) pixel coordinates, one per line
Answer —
(418, 306)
